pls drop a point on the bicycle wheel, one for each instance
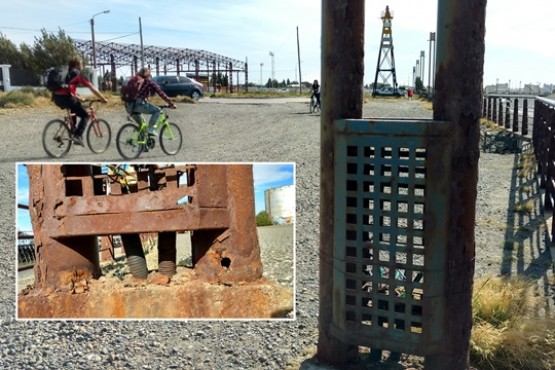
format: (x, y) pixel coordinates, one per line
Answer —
(170, 138)
(312, 104)
(128, 141)
(316, 108)
(99, 135)
(56, 138)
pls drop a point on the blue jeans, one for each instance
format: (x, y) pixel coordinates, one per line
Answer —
(141, 106)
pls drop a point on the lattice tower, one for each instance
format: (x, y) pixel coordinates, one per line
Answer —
(385, 69)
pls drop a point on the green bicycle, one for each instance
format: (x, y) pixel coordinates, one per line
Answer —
(132, 140)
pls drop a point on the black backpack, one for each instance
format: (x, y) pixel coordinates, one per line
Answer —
(54, 80)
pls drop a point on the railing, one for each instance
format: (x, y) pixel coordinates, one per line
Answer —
(510, 111)
(543, 141)
(497, 108)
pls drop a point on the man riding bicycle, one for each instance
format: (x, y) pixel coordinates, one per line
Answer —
(141, 105)
(67, 98)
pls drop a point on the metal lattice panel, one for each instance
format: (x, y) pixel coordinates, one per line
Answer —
(392, 182)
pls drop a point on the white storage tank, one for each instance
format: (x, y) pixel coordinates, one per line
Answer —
(280, 203)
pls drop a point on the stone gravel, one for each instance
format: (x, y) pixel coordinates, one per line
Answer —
(218, 131)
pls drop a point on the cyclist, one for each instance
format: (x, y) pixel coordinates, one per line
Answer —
(67, 98)
(316, 92)
(141, 105)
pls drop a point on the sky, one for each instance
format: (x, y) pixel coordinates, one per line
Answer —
(519, 34)
(266, 176)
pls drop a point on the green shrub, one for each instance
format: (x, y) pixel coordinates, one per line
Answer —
(16, 98)
(263, 219)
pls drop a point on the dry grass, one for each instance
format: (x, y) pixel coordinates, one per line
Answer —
(505, 335)
(525, 207)
(490, 125)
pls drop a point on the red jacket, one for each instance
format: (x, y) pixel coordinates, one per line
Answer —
(75, 78)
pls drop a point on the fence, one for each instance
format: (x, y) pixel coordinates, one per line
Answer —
(541, 113)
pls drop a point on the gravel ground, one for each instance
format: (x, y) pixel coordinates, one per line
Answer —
(251, 131)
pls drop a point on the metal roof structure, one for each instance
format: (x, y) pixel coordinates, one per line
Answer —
(157, 58)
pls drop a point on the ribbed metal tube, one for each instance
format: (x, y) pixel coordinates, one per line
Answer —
(136, 260)
(167, 253)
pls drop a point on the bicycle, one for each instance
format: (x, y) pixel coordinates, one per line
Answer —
(314, 105)
(133, 139)
(57, 134)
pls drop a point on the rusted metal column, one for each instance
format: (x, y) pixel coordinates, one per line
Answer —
(59, 263)
(342, 80)
(460, 48)
(232, 254)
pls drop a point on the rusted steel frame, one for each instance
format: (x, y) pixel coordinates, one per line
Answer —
(139, 222)
(342, 80)
(459, 66)
(127, 203)
(58, 263)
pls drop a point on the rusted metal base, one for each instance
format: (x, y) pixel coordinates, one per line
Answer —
(194, 299)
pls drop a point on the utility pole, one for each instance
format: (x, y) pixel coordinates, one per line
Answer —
(430, 59)
(261, 65)
(273, 66)
(142, 47)
(92, 36)
(299, 56)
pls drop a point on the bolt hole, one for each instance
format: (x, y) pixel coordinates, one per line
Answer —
(226, 262)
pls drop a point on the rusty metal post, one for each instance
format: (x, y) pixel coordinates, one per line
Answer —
(525, 117)
(342, 80)
(59, 263)
(515, 115)
(233, 254)
(507, 114)
(460, 49)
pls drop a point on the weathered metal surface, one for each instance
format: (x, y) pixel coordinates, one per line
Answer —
(123, 223)
(342, 97)
(392, 190)
(74, 204)
(190, 299)
(457, 99)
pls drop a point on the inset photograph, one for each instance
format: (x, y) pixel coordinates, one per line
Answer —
(155, 241)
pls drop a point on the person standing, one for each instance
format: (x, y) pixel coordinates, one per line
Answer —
(316, 91)
(67, 97)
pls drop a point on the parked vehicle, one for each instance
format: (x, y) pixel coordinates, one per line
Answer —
(388, 91)
(180, 85)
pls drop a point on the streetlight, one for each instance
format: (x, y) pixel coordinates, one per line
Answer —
(92, 33)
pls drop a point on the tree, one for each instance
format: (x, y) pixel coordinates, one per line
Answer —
(263, 219)
(50, 50)
(418, 85)
(9, 53)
